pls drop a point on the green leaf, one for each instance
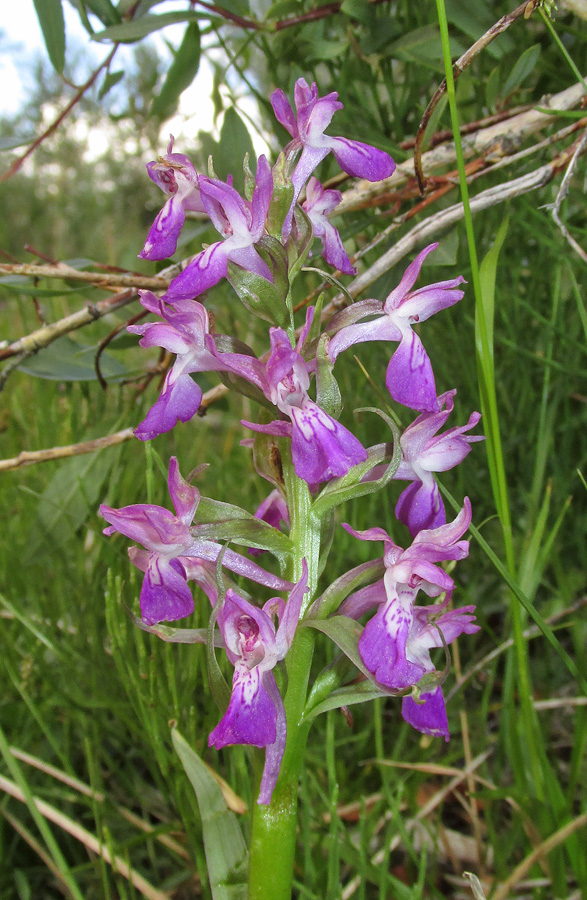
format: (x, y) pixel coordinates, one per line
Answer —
(345, 633)
(105, 11)
(50, 16)
(251, 533)
(23, 284)
(358, 9)
(235, 142)
(70, 499)
(351, 485)
(492, 88)
(522, 69)
(137, 29)
(66, 360)
(11, 143)
(328, 395)
(339, 590)
(111, 79)
(345, 696)
(224, 845)
(182, 72)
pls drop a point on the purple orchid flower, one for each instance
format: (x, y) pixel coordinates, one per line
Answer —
(186, 332)
(241, 224)
(409, 377)
(318, 203)
(420, 506)
(274, 511)
(314, 115)
(321, 447)
(170, 545)
(255, 714)
(396, 642)
(175, 175)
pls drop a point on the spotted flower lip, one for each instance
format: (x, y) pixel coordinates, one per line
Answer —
(255, 714)
(409, 378)
(171, 544)
(396, 642)
(241, 224)
(176, 176)
(322, 448)
(318, 203)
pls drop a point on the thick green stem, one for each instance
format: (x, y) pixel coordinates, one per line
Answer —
(273, 836)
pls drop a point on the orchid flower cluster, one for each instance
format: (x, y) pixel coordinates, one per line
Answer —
(313, 462)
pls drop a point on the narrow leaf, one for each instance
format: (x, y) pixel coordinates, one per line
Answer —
(50, 16)
(137, 29)
(224, 845)
(182, 72)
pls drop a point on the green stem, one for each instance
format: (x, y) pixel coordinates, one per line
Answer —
(273, 835)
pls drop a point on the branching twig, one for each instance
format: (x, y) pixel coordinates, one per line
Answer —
(458, 68)
(564, 189)
(444, 218)
(313, 15)
(62, 115)
(499, 139)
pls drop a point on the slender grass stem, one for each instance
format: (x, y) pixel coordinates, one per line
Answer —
(528, 746)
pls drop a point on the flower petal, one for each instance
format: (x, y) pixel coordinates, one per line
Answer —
(161, 242)
(410, 379)
(202, 273)
(321, 447)
(420, 506)
(362, 160)
(165, 595)
(251, 717)
(179, 401)
(428, 717)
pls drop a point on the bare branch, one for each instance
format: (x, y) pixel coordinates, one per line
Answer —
(62, 115)
(100, 279)
(444, 218)
(458, 68)
(564, 189)
(500, 139)
(31, 457)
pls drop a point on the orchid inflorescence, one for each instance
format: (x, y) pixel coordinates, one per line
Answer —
(264, 239)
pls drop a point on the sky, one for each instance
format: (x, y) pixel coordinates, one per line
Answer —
(22, 39)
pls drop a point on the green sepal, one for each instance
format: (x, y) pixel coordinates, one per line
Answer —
(258, 295)
(283, 193)
(299, 242)
(224, 845)
(339, 590)
(328, 395)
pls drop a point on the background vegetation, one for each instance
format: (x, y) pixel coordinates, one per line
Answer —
(385, 813)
